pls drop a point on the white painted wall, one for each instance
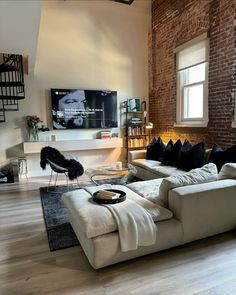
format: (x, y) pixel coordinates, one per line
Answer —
(87, 45)
(19, 27)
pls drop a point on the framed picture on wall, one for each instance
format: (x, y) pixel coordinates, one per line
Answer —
(134, 105)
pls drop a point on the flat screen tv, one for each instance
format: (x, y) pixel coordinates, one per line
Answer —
(75, 108)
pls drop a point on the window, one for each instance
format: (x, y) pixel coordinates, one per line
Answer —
(192, 83)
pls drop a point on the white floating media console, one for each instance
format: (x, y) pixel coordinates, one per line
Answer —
(73, 145)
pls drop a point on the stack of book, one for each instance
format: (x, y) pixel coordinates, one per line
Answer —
(137, 142)
(135, 121)
(105, 134)
(132, 131)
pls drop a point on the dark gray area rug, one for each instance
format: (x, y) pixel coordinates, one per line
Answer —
(59, 231)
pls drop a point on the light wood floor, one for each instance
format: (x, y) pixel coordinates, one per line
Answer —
(28, 267)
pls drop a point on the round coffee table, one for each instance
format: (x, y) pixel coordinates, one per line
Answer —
(127, 173)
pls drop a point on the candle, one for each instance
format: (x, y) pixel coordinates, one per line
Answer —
(118, 165)
(53, 137)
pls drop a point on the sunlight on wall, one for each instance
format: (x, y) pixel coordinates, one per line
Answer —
(88, 45)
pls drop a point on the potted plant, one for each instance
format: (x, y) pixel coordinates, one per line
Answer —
(32, 124)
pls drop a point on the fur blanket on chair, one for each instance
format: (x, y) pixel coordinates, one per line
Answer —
(75, 169)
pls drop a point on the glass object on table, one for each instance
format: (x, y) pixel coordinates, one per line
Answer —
(126, 174)
(132, 171)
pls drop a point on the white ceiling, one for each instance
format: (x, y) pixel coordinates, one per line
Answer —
(19, 27)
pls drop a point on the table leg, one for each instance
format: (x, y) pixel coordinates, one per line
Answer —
(91, 178)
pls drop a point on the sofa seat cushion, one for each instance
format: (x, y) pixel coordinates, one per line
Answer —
(157, 167)
(165, 171)
(148, 189)
(148, 164)
(95, 219)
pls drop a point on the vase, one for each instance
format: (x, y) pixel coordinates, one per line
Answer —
(33, 133)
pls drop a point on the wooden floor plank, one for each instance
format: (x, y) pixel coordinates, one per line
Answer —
(27, 267)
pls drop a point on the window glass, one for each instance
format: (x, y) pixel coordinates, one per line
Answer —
(194, 74)
(193, 101)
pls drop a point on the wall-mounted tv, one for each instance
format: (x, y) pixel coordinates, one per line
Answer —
(76, 108)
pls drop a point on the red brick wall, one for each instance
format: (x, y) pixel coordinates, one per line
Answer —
(175, 22)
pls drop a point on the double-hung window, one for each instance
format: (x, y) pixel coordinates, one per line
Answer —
(192, 83)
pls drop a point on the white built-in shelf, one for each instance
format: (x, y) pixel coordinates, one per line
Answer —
(73, 145)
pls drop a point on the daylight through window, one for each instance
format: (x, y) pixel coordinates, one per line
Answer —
(192, 80)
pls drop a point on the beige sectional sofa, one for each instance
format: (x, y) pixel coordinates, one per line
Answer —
(194, 212)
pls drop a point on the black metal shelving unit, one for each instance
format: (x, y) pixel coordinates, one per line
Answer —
(136, 134)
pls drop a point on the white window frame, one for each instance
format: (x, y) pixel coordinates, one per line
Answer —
(193, 122)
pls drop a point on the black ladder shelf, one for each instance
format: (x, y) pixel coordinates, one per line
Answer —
(12, 87)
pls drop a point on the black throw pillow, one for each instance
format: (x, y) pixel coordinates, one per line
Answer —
(183, 156)
(176, 152)
(155, 150)
(150, 149)
(168, 158)
(154, 140)
(191, 157)
(219, 156)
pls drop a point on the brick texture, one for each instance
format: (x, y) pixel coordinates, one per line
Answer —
(175, 22)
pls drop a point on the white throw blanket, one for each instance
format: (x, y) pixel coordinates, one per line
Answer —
(135, 225)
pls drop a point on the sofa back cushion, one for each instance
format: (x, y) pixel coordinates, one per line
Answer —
(220, 157)
(228, 170)
(155, 150)
(191, 157)
(207, 173)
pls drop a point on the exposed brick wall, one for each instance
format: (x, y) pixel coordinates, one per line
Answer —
(175, 22)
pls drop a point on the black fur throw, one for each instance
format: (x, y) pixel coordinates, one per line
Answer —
(75, 169)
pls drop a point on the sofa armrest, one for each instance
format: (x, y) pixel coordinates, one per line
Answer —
(139, 154)
(205, 209)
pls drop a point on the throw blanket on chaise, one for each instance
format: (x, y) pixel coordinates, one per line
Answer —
(135, 225)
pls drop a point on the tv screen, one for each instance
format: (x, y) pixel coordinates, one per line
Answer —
(75, 108)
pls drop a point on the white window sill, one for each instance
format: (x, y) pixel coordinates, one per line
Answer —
(233, 125)
(191, 125)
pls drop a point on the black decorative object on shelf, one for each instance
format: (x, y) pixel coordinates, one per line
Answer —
(129, 2)
(43, 129)
(12, 86)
